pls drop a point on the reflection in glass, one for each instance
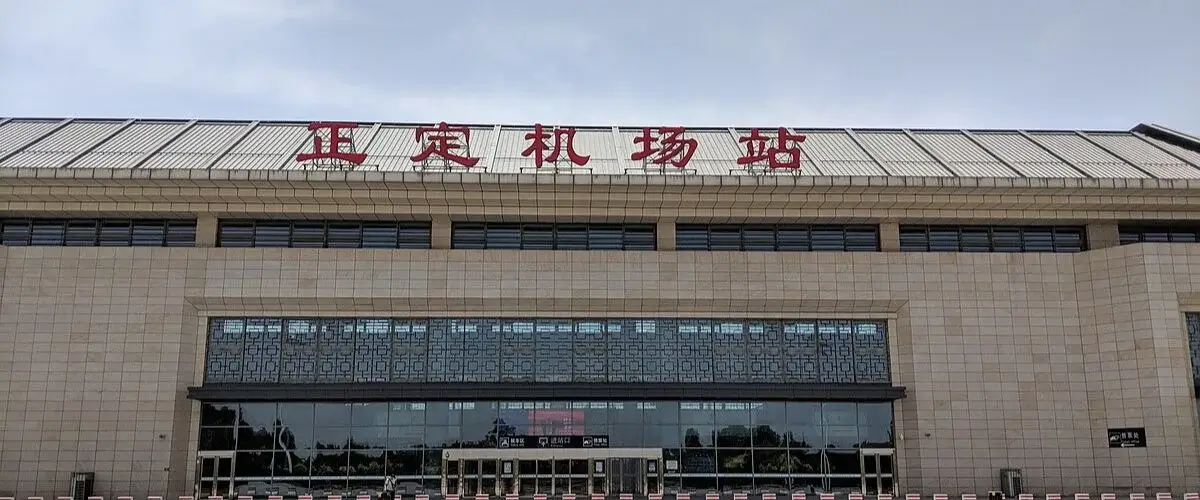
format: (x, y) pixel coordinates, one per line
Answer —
(712, 442)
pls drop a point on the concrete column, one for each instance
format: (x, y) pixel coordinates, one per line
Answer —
(665, 233)
(440, 233)
(206, 230)
(1103, 235)
(889, 237)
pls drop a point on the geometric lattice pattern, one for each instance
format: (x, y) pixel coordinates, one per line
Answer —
(343, 350)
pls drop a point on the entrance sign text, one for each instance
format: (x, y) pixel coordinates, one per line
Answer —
(592, 441)
(446, 145)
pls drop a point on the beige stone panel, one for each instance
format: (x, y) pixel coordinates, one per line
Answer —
(1010, 360)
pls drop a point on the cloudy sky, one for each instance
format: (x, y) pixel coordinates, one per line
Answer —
(864, 63)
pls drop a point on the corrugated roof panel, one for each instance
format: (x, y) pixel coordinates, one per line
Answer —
(75, 137)
(206, 138)
(1192, 157)
(18, 133)
(391, 163)
(141, 137)
(1151, 159)
(851, 168)
(900, 155)
(393, 141)
(272, 139)
(1088, 157)
(1025, 156)
(178, 160)
(251, 162)
(833, 146)
(37, 159)
(963, 157)
(106, 160)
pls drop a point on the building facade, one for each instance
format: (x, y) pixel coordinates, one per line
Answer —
(191, 306)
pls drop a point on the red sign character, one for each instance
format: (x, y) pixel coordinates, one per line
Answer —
(335, 144)
(564, 138)
(759, 149)
(442, 140)
(674, 149)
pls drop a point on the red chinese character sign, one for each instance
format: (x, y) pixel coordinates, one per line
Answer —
(782, 151)
(666, 145)
(327, 142)
(564, 144)
(444, 141)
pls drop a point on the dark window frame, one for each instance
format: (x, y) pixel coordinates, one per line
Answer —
(1150, 232)
(98, 232)
(993, 238)
(356, 234)
(777, 237)
(558, 236)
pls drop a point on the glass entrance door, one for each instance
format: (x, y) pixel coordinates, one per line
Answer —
(626, 475)
(214, 474)
(878, 470)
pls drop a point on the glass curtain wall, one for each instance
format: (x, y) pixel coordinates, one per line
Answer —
(772, 446)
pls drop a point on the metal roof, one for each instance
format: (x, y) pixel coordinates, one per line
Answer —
(1145, 152)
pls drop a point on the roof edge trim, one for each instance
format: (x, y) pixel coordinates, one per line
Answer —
(1171, 136)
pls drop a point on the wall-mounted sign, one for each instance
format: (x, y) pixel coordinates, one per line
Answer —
(450, 145)
(1127, 437)
(552, 442)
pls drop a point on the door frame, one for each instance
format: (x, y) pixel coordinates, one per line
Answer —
(213, 481)
(865, 454)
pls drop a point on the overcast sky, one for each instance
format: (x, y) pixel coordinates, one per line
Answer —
(1087, 64)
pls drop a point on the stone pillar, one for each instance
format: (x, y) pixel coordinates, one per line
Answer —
(1103, 235)
(206, 230)
(440, 233)
(889, 237)
(665, 233)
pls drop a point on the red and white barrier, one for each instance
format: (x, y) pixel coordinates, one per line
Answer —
(240, 497)
(359, 497)
(69, 498)
(189, 497)
(738, 496)
(939, 496)
(712, 496)
(1191, 496)
(625, 496)
(95, 498)
(330, 497)
(852, 496)
(568, 496)
(1137, 496)
(799, 496)
(451, 496)
(884, 496)
(683, 496)
(968, 496)
(481, 496)
(597, 496)
(147, 498)
(1025, 496)
(655, 496)
(1082, 496)
(825, 496)
(422, 497)
(1108, 496)
(768, 496)
(917, 496)
(1162, 496)
(273, 497)
(1054, 496)
(512, 496)
(42, 498)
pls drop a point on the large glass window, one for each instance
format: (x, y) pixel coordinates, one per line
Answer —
(324, 234)
(552, 236)
(1193, 330)
(777, 237)
(1160, 233)
(739, 444)
(992, 239)
(347, 350)
(98, 232)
